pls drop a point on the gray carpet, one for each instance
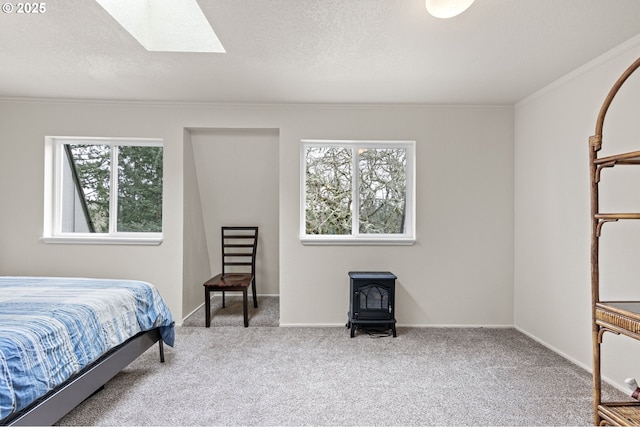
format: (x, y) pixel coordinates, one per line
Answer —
(267, 376)
(267, 313)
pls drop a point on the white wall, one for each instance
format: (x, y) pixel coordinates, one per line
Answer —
(195, 259)
(460, 272)
(552, 222)
(23, 127)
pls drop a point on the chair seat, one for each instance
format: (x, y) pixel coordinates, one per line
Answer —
(229, 281)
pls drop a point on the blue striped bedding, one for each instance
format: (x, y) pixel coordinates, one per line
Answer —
(51, 328)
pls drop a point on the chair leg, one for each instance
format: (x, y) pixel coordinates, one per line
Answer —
(245, 307)
(253, 289)
(223, 304)
(207, 307)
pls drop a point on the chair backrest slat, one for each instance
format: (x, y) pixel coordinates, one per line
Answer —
(239, 246)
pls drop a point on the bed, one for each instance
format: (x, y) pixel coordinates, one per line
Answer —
(61, 339)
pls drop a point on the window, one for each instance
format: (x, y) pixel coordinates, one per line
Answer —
(103, 190)
(357, 192)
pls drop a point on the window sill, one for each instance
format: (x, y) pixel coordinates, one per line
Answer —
(103, 240)
(357, 241)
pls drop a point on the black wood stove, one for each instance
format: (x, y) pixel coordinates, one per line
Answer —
(372, 295)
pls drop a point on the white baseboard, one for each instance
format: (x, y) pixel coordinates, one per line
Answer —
(589, 369)
(399, 325)
(453, 326)
(312, 325)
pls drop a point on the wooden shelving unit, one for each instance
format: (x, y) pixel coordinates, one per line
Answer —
(618, 317)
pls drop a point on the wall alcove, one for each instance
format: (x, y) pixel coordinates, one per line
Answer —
(231, 177)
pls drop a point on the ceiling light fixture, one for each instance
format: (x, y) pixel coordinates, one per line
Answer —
(447, 8)
(165, 25)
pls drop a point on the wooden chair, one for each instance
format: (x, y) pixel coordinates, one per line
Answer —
(239, 246)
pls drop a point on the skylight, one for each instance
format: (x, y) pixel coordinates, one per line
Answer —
(165, 25)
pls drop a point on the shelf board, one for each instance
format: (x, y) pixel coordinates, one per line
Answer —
(619, 316)
(628, 308)
(621, 413)
(615, 216)
(632, 158)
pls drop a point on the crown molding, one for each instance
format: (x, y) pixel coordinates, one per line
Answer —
(582, 70)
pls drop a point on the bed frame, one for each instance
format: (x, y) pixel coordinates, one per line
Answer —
(58, 402)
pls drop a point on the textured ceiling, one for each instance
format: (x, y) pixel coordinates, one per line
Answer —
(316, 51)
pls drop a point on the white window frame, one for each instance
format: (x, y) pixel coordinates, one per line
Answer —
(53, 170)
(356, 238)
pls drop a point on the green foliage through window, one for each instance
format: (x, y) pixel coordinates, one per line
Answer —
(140, 189)
(94, 190)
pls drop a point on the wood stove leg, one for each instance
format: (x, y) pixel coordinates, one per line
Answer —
(353, 329)
(393, 329)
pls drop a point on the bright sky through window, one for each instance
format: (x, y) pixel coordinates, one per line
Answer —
(165, 25)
